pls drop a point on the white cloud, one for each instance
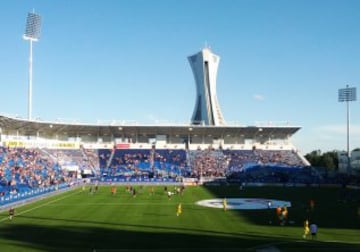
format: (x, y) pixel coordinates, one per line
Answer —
(327, 138)
(339, 129)
(258, 97)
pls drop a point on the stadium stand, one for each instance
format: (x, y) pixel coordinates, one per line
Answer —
(40, 157)
(25, 173)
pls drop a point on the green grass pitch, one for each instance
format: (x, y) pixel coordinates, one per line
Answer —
(78, 221)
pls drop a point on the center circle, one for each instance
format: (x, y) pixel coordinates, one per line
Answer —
(244, 203)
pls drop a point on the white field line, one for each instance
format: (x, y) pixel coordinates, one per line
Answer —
(39, 206)
(123, 204)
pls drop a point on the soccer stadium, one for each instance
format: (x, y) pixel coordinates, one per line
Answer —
(203, 186)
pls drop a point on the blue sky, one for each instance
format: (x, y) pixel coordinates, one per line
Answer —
(281, 61)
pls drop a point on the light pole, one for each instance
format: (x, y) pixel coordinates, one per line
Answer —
(32, 33)
(346, 95)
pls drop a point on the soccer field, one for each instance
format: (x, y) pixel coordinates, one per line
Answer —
(79, 221)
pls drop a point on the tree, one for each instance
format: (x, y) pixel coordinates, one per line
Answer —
(314, 157)
(328, 160)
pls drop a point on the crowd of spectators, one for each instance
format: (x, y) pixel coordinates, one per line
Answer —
(104, 156)
(149, 162)
(171, 163)
(240, 160)
(23, 169)
(191, 163)
(208, 163)
(80, 158)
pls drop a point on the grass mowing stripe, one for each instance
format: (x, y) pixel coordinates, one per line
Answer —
(120, 222)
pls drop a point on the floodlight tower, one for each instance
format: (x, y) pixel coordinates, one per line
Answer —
(347, 95)
(32, 33)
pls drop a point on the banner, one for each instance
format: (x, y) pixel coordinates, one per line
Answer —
(96, 146)
(41, 144)
(123, 146)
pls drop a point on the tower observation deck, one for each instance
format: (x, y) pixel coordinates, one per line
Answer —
(207, 110)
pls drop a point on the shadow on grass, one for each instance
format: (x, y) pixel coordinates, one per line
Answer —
(330, 210)
(83, 238)
(92, 235)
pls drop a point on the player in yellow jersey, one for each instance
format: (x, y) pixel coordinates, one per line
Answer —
(179, 210)
(225, 204)
(306, 229)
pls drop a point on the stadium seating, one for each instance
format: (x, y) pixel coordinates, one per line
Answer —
(24, 170)
(29, 172)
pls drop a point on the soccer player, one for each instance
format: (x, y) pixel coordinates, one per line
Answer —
(113, 190)
(83, 185)
(313, 230)
(306, 229)
(284, 214)
(182, 189)
(152, 191)
(179, 210)
(279, 214)
(169, 193)
(224, 204)
(96, 188)
(11, 213)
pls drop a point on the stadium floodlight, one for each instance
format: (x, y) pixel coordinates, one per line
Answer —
(32, 33)
(347, 95)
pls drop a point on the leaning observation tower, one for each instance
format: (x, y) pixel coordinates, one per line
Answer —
(207, 110)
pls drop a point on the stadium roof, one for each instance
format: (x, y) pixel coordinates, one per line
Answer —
(10, 125)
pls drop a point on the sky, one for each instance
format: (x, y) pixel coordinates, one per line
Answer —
(282, 62)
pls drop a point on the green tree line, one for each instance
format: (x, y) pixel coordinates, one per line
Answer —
(328, 159)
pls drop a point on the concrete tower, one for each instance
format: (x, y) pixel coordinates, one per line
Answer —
(207, 110)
